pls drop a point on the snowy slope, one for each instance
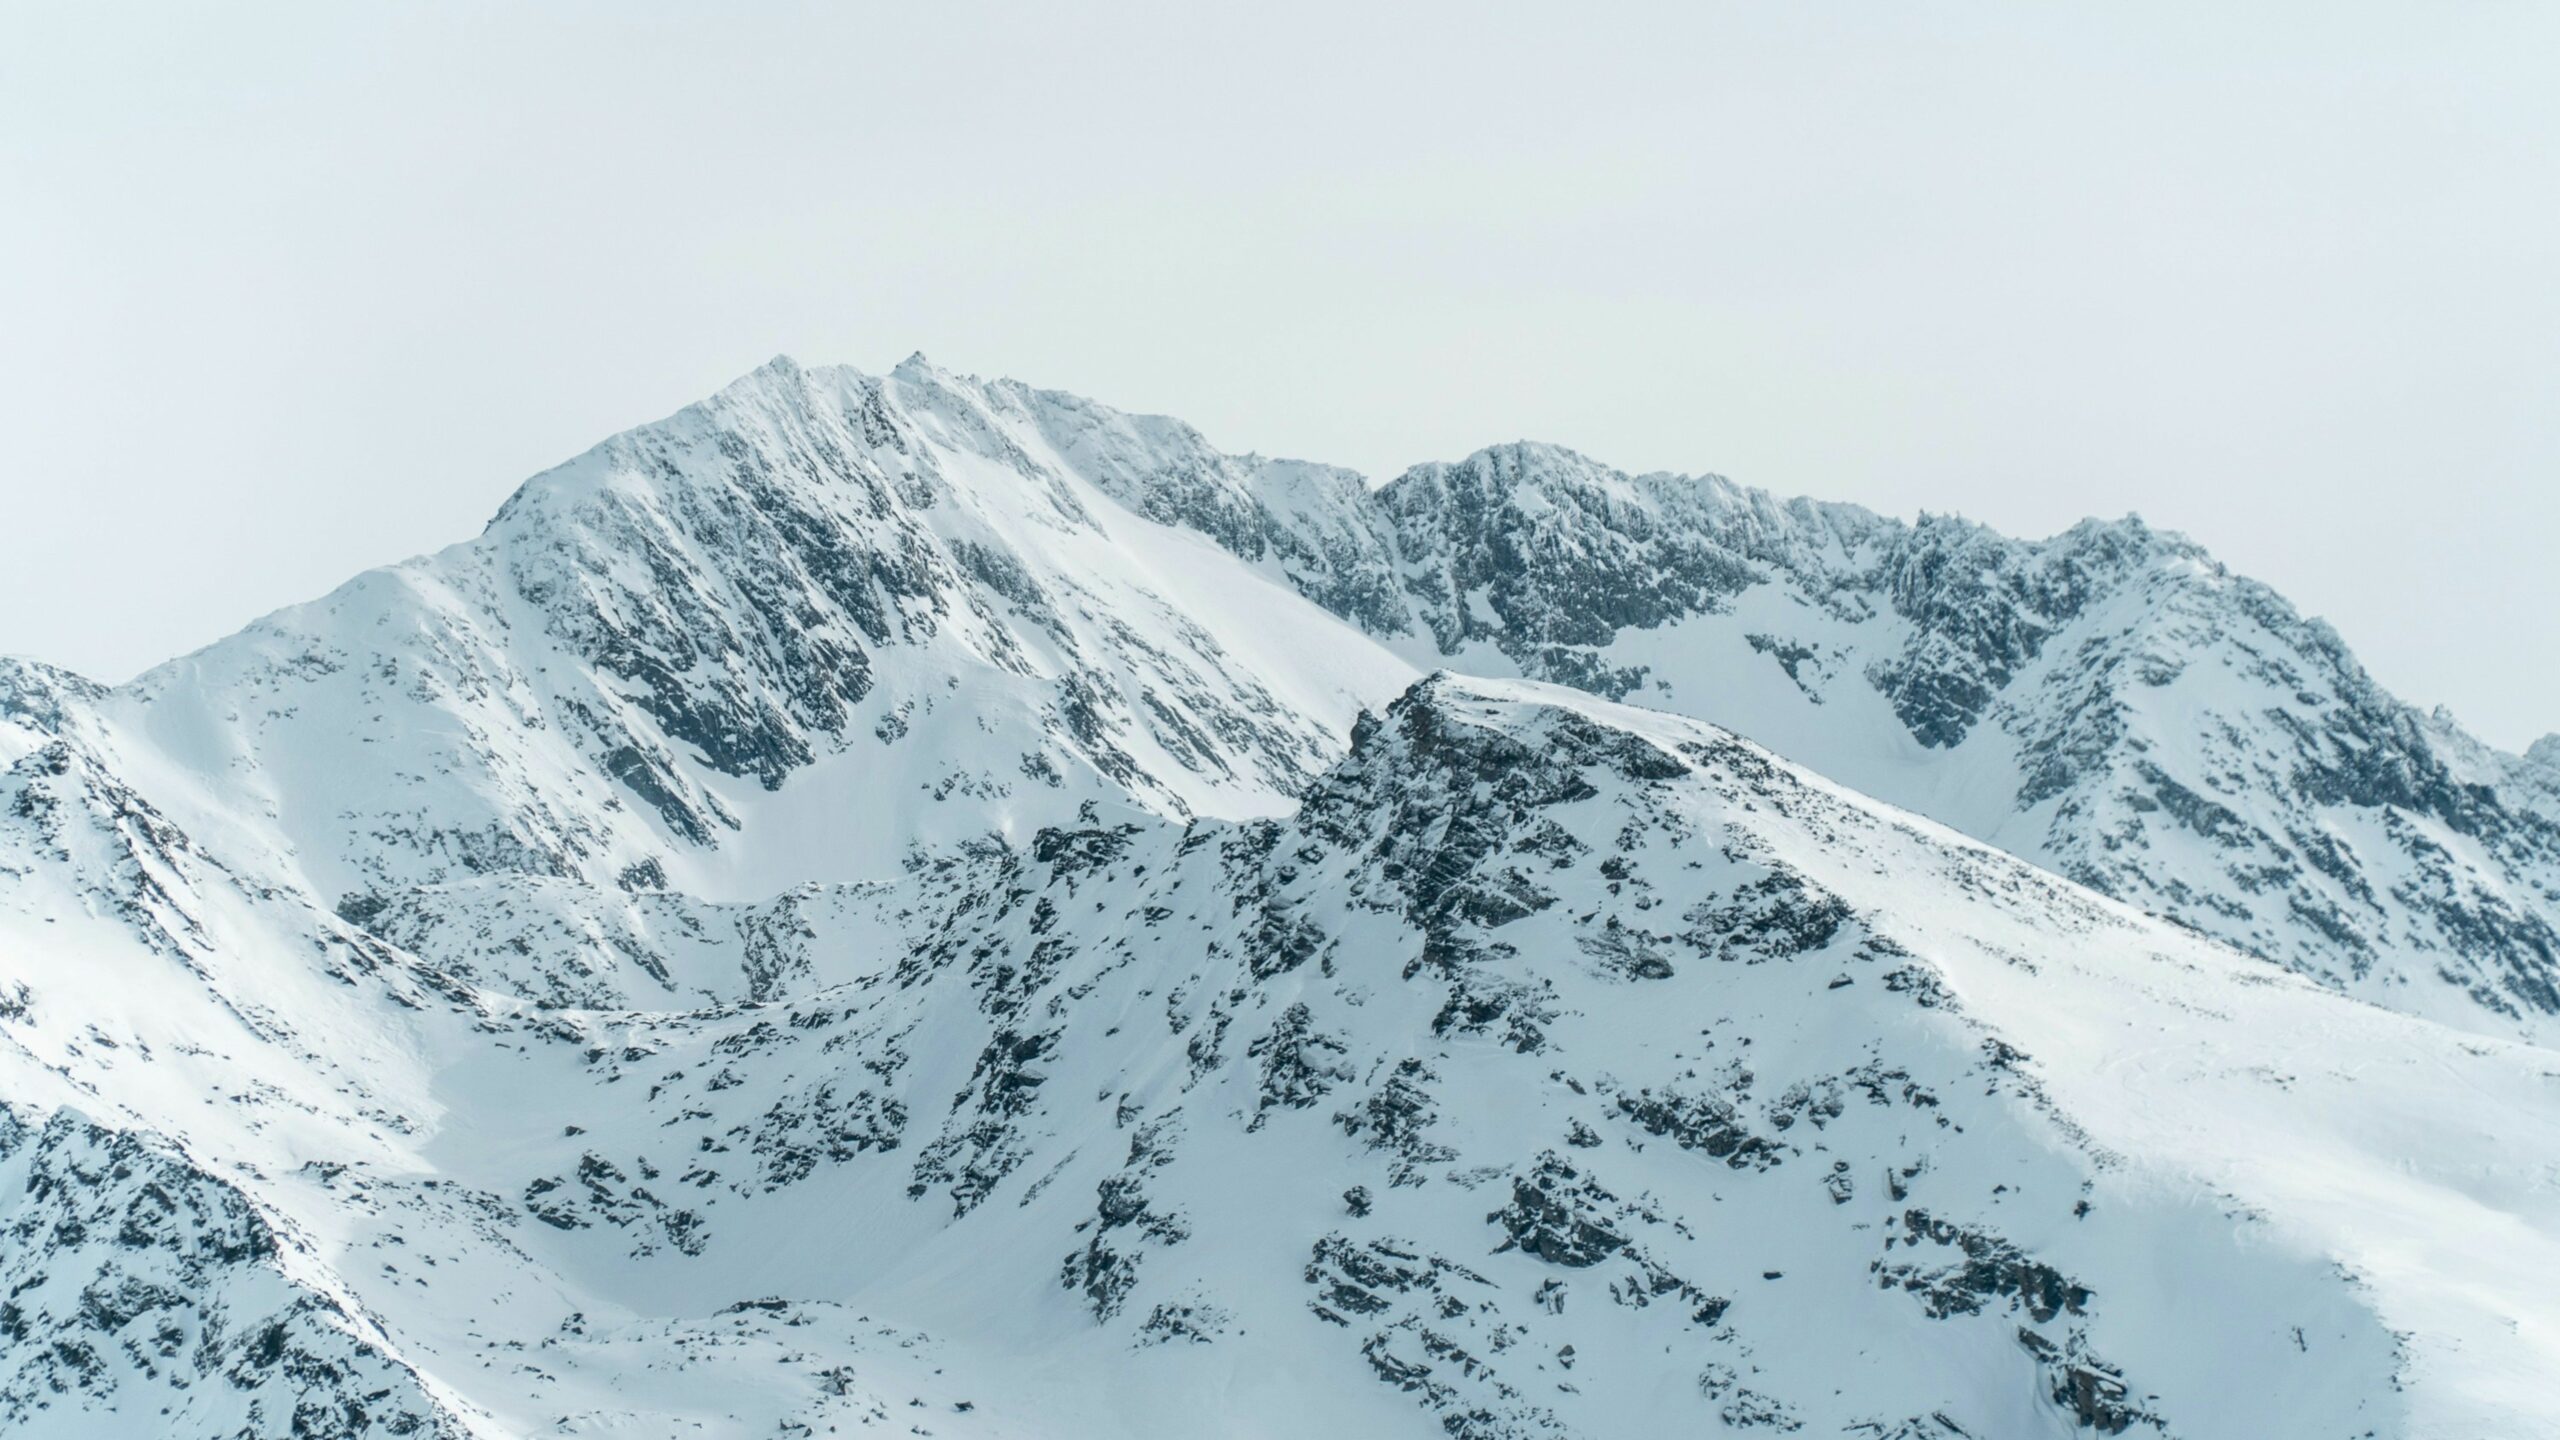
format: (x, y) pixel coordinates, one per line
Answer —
(918, 902)
(1556, 1069)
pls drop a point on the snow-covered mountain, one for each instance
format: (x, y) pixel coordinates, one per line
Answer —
(917, 902)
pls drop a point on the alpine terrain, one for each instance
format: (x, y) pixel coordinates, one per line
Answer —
(917, 905)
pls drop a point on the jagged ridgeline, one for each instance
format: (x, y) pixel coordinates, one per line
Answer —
(911, 902)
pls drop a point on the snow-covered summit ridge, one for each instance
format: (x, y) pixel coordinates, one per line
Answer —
(800, 578)
(969, 608)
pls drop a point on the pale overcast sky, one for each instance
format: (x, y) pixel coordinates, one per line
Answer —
(286, 291)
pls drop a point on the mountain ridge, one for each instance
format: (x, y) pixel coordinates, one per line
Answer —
(907, 899)
(2181, 738)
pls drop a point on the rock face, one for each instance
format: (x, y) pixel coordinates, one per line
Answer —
(917, 901)
(140, 1286)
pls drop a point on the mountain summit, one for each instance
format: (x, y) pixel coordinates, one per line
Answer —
(919, 901)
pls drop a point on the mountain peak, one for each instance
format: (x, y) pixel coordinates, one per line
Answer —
(1524, 744)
